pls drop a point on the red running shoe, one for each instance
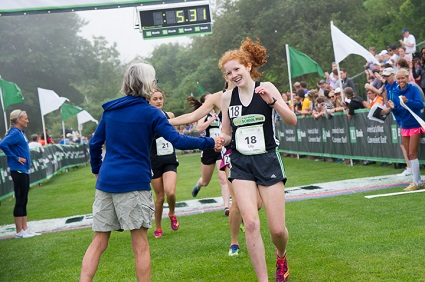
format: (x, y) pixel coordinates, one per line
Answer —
(282, 270)
(158, 233)
(174, 222)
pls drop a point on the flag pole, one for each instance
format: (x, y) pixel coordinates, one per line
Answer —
(339, 72)
(289, 76)
(4, 111)
(63, 128)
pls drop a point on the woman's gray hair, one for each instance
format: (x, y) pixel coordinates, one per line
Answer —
(139, 80)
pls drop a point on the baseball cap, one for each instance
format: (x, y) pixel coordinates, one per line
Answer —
(383, 52)
(388, 71)
(297, 84)
(322, 81)
(404, 30)
(337, 90)
(69, 135)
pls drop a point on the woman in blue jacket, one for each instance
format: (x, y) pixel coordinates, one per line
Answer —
(15, 147)
(123, 199)
(410, 128)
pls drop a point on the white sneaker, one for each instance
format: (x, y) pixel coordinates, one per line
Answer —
(23, 234)
(29, 232)
(405, 173)
(20, 234)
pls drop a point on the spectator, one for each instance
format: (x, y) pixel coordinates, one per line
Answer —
(376, 84)
(336, 102)
(402, 54)
(332, 78)
(15, 147)
(418, 70)
(322, 86)
(383, 57)
(388, 76)
(43, 140)
(303, 85)
(352, 102)
(320, 109)
(346, 81)
(34, 142)
(373, 98)
(403, 64)
(369, 65)
(306, 108)
(297, 86)
(410, 128)
(408, 42)
(329, 96)
(392, 52)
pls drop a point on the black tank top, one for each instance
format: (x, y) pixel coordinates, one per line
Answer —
(214, 126)
(163, 159)
(256, 106)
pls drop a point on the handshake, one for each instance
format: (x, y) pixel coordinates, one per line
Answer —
(219, 143)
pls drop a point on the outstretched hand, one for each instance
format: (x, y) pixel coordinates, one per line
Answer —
(219, 141)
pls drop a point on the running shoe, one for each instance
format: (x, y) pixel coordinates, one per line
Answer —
(405, 173)
(32, 233)
(174, 222)
(23, 234)
(412, 187)
(158, 233)
(282, 270)
(226, 211)
(234, 250)
(195, 190)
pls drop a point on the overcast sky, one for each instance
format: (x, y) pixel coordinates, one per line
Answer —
(117, 25)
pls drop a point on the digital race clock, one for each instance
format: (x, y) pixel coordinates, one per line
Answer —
(177, 19)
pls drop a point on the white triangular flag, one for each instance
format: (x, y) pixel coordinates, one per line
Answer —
(49, 100)
(344, 46)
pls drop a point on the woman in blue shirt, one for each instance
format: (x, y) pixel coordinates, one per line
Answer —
(15, 147)
(411, 130)
(123, 199)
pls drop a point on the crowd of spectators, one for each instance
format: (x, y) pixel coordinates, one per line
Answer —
(324, 99)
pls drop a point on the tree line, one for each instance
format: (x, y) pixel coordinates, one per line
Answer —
(46, 51)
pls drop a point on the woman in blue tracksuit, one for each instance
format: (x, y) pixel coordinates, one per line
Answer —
(123, 199)
(411, 130)
(15, 147)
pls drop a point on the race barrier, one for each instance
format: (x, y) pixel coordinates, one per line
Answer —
(45, 162)
(339, 137)
(358, 138)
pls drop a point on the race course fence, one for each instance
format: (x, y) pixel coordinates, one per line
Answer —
(358, 138)
(45, 163)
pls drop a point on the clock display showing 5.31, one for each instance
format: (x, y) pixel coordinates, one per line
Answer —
(177, 16)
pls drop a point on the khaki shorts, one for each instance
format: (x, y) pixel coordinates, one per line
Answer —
(122, 211)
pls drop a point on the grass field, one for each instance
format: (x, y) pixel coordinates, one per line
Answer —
(344, 238)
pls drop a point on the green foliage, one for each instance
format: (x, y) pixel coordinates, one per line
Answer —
(46, 51)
